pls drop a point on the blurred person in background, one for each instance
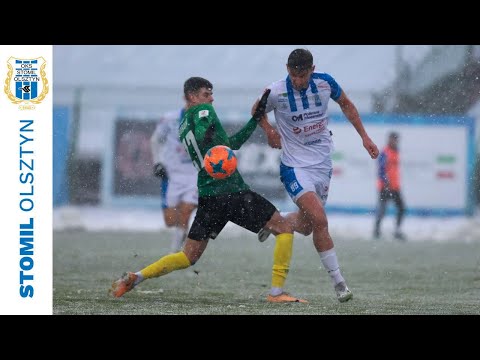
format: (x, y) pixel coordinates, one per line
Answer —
(220, 200)
(388, 186)
(172, 164)
(300, 103)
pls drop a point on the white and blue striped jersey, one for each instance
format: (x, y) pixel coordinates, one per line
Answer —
(302, 119)
(167, 149)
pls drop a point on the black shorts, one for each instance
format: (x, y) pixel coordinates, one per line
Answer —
(245, 208)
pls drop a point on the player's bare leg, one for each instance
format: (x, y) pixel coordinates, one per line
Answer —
(313, 213)
(182, 218)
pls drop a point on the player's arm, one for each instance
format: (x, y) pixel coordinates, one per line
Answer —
(237, 140)
(156, 145)
(273, 137)
(351, 112)
(157, 141)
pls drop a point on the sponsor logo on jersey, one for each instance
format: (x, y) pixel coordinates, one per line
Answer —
(203, 113)
(307, 116)
(315, 128)
(312, 114)
(313, 142)
(315, 99)
(282, 100)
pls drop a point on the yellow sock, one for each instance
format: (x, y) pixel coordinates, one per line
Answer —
(281, 259)
(166, 264)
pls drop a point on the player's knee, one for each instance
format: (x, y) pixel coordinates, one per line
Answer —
(281, 226)
(170, 221)
(285, 227)
(305, 230)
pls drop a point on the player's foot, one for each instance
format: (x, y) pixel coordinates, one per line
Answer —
(343, 292)
(376, 234)
(123, 285)
(399, 236)
(284, 298)
(263, 235)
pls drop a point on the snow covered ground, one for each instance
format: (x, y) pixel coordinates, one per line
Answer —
(441, 229)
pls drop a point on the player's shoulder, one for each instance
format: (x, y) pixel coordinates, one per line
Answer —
(278, 86)
(322, 76)
(202, 110)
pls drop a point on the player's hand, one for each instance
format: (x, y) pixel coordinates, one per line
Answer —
(371, 148)
(261, 106)
(160, 171)
(273, 137)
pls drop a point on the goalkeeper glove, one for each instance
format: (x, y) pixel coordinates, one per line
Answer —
(261, 106)
(160, 171)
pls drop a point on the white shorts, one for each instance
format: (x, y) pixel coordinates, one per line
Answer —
(298, 181)
(174, 192)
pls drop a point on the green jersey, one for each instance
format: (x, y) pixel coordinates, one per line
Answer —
(200, 130)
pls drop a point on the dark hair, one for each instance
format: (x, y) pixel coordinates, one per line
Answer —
(393, 135)
(300, 59)
(194, 84)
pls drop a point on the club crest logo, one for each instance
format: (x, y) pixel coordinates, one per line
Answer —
(26, 80)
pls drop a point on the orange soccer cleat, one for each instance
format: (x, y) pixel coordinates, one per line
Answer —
(284, 298)
(123, 285)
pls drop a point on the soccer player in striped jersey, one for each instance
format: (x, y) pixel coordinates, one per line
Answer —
(172, 164)
(220, 200)
(300, 104)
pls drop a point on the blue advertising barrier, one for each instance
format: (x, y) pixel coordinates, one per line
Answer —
(61, 137)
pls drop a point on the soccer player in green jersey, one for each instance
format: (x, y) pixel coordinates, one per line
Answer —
(220, 200)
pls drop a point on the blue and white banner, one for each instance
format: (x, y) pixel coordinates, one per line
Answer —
(26, 181)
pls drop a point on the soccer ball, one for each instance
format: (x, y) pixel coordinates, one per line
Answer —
(220, 162)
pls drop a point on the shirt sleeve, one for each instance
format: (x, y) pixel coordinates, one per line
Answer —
(382, 168)
(157, 141)
(238, 139)
(335, 89)
(204, 119)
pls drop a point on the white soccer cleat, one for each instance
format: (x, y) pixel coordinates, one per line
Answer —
(263, 235)
(343, 292)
